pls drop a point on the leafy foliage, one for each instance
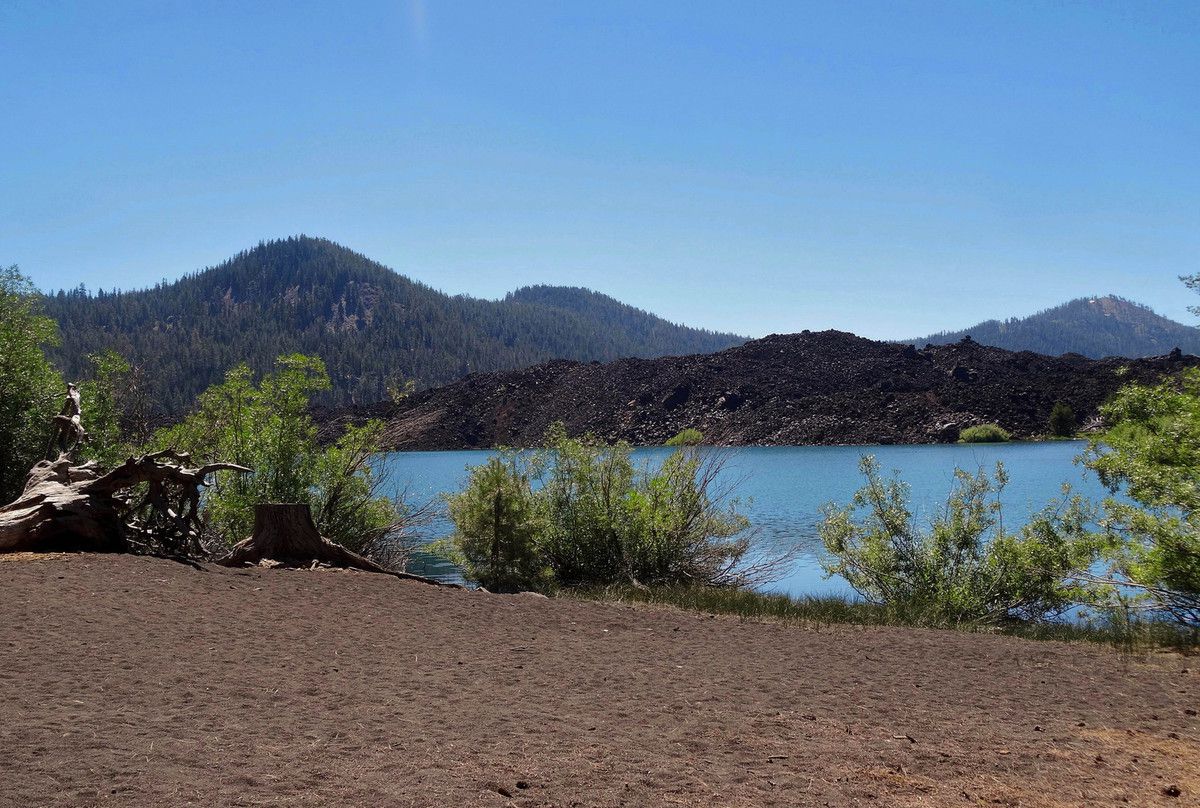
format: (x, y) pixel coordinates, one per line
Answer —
(266, 427)
(1062, 420)
(31, 389)
(347, 504)
(581, 513)
(368, 324)
(498, 522)
(965, 568)
(607, 520)
(984, 433)
(102, 396)
(1152, 450)
(687, 437)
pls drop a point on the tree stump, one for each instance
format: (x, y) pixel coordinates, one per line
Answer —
(286, 533)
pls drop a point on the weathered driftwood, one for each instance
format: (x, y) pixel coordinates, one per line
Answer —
(152, 504)
(69, 433)
(286, 533)
(67, 505)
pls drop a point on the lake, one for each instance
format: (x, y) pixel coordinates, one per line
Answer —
(784, 487)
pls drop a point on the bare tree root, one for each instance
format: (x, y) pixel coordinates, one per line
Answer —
(75, 506)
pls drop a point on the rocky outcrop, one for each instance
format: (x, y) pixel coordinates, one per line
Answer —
(810, 388)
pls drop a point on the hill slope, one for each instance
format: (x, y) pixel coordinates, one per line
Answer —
(368, 323)
(810, 388)
(1095, 327)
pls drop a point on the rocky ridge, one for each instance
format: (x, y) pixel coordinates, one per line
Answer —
(829, 387)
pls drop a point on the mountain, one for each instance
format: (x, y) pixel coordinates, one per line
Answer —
(370, 325)
(1091, 326)
(808, 388)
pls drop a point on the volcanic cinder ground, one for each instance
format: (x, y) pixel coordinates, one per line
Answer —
(143, 682)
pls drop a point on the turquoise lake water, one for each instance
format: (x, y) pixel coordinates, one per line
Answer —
(784, 488)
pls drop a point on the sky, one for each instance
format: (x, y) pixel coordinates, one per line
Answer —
(890, 169)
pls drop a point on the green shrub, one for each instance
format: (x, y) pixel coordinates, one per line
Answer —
(101, 399)
(607, 521)
(984, 433)
(965, 568)
(266, 427)
(497, 522)
(687, 437)
(31, 390)
(588, 501)
(1062, 420)
(1151, 451)
(584, 514)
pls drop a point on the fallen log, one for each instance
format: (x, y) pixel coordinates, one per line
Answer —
(67, 505)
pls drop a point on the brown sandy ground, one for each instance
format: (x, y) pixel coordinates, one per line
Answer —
(134, 681)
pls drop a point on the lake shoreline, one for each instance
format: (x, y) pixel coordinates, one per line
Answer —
(736, 446)
(783, 489)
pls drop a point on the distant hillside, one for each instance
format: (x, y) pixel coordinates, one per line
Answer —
(634, 324)
(368, 323)
(809, 388)
(1095, 327)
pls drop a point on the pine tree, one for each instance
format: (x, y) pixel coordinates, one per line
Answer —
(1062, 420)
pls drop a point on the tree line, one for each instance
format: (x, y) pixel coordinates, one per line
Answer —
(1097, 328)
(369, 325)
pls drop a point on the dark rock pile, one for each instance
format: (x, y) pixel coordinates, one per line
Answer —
(810, 388)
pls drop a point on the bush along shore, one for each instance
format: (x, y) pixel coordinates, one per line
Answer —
(580, 512)
(577, 518)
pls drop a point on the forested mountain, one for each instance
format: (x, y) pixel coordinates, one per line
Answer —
(602, 310)
(1091, 326)
(370, 325)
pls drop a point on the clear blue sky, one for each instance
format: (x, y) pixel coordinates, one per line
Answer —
(889, 169)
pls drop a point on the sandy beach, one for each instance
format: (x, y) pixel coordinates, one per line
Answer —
(133, 681)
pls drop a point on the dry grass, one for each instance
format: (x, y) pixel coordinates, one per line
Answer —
(27, 558)
(1137, 638)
